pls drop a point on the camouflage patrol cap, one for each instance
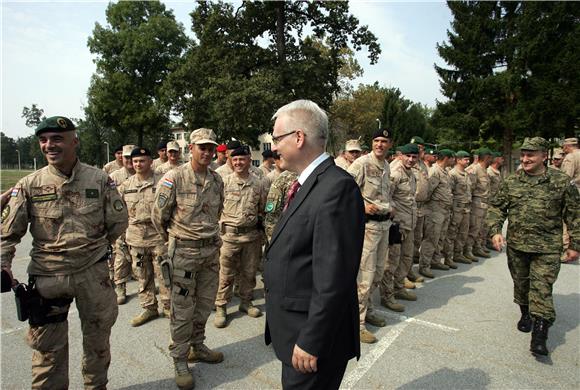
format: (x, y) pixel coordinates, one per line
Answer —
(127, 149)
(203, 136)
(172, 145)
(570, 141)
(462, 154)
(352, 145)
(57, 124)
(417, 140)
(140, 152)
(410, 148)
(535, 143)
(559, 154)
(446, 153)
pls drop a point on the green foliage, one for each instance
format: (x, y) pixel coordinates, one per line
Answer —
(135, 53)
(246, 62)
(513, 72)
(358, 114)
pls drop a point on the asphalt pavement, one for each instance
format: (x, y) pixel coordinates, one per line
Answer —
(460, 334)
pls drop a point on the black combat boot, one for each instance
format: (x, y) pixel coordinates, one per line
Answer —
(525, 323)
(539, 336)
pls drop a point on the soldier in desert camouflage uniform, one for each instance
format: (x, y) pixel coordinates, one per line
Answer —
(535, 201)
(74, 212)
(146, 246)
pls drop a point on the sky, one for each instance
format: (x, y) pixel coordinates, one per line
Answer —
(45, 59)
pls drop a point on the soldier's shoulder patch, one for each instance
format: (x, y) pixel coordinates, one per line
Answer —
(166, 182)
(270, 205)
(161, 201)
(15, 192)
(5, 213)
(118, 205)
(111, 183)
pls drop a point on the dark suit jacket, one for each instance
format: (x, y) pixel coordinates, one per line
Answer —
(311, 268)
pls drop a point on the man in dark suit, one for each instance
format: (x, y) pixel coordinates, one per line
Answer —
(313, 258)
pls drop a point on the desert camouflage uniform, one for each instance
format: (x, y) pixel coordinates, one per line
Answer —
(460, 183)
(186, 213)
(157, 163)
(373, 178)
(479, 204)
(535, 207)
(121, 259)
(112, 166)
(276, 200)
(437, 213)
(400, 259)
(571, 166)
(421, 173)
(226, 170)
(164, 168)
(243, 212)
(72, 221)
(342, 162)
(146, 246)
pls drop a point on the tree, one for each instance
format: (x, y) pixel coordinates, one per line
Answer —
(33, 115)
(246, 62)
(135, 53)
(513, 71)
(8, 146)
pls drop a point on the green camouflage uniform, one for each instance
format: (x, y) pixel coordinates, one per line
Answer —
(535, 207)
(276, 199)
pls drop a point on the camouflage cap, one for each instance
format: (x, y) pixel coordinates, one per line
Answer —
(535, 143)
(446, 153)
(173, 145)
(570, 141)
(56, 124)
(417, 140)
(203, 136)
(127, 149)
(462, 154)
(559, 154)
(352, 145)
(410, 148)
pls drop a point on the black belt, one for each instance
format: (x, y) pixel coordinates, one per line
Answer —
(378, 217)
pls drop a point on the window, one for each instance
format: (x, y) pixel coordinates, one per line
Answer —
(178, 136)
(266, 146)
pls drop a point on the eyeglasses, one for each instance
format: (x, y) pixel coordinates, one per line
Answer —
(276, 140)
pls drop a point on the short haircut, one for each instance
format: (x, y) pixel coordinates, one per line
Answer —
(308, 117)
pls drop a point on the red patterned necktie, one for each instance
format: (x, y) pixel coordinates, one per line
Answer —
(294, 187)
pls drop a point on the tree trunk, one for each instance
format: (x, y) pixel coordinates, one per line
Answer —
(280, 32)
(508, 140)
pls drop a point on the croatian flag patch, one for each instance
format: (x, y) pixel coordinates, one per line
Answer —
(15, 192)
(167, 183)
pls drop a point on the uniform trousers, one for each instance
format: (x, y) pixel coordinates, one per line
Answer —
(96, 303)
(534, 275)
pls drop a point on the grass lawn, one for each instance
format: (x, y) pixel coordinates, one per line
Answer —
(9, 177)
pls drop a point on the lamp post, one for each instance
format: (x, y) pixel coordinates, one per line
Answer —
(18, 151)
(106, 143)
(379, 121)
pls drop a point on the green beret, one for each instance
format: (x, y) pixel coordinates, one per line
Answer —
(497, 154)
(409, 149)
(462, 154)
(430, 150)
(139, 152)
(484, 152)
(535, 143)
(56, 124)
(417, 140)
(446, 153)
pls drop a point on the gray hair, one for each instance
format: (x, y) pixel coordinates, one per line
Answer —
(308, 117)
